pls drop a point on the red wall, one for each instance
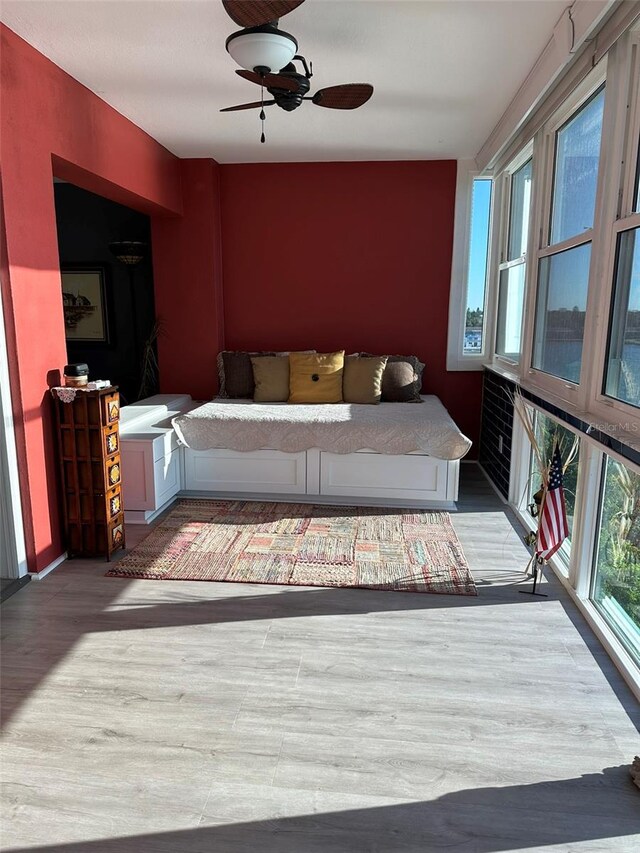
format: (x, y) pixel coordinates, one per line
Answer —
(345, 255)
(51, 124)
(188, 294)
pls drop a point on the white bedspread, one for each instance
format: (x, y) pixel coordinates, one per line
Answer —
(393, 428)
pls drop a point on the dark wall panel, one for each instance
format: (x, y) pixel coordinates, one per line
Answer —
(87, 223)
(497, 423)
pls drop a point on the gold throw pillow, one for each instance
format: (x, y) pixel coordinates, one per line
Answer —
(271, 378)
(316, 378)
(362, 380)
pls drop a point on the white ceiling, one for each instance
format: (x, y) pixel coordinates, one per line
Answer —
(444, 71)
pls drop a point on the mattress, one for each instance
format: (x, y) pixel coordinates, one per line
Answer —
(390, 428)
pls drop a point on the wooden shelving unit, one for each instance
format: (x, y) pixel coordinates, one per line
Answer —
(89, 450)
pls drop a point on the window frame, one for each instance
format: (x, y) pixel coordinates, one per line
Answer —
(582, 576)
(599, 503)
(620, 217)
(457, 359)
(521, 159)
(570, 393)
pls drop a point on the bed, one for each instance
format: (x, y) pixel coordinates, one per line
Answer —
(391, 454)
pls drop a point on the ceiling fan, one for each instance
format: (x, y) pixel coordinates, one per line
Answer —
(267, 55)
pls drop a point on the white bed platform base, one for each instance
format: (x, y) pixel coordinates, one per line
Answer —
(316, 476)
(156, 470)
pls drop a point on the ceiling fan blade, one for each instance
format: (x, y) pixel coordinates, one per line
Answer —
(252, 106)
(349, 96)
(271, 81)
(255, 13)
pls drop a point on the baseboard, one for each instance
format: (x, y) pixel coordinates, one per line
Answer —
(493, 485)
(38, 576)
(13, 587)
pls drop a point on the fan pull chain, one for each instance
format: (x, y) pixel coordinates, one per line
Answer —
(262, 115)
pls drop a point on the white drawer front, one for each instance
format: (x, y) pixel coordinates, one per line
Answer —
(137, 475)
(260, 471)
(166, 476)
(376, 475)
(164, 444)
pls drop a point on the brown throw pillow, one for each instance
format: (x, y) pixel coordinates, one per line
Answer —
(222, 391)
(402, 379)
(362, 380)
(271, 376)
(236, 374)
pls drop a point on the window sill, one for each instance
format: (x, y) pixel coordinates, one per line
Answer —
(505, 370)
(465, 363)
(618, 437)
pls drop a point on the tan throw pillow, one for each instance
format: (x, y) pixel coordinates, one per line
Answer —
(316, 378)
(362, 380)
(271, 377)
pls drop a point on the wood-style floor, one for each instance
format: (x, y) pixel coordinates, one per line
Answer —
(184, 717)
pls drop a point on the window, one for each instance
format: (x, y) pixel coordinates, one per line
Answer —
(616, 577)
(470, 301)
(510, 303)
(621, 375)
(576, 171)
(563, 267)
(560, 312)
(520, 203)
(546, 432)
(474, 329)
(512, 269)
(622, 380)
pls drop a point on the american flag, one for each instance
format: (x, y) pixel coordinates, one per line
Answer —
(552, 524)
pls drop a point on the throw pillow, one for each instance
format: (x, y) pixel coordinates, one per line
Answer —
(222, 391)
(362, 380)
(402, 379)
(236, 374)
(316, 378)
(271, 377)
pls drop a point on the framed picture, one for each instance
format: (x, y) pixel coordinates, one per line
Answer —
(84, 300)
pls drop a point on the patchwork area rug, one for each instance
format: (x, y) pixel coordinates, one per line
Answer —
(303, 545)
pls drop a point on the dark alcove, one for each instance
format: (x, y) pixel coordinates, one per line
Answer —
(87, 225)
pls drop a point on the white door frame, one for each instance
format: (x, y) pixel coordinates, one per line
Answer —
(12, 544)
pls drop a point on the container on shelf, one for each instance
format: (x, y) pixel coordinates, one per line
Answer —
(76, 375)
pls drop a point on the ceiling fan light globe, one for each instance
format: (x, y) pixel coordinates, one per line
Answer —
(262, 48)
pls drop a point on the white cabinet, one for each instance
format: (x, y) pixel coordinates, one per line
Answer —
(167, 476)
(414, 477)
(257, 471)
(151, 456)
(374, 478)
